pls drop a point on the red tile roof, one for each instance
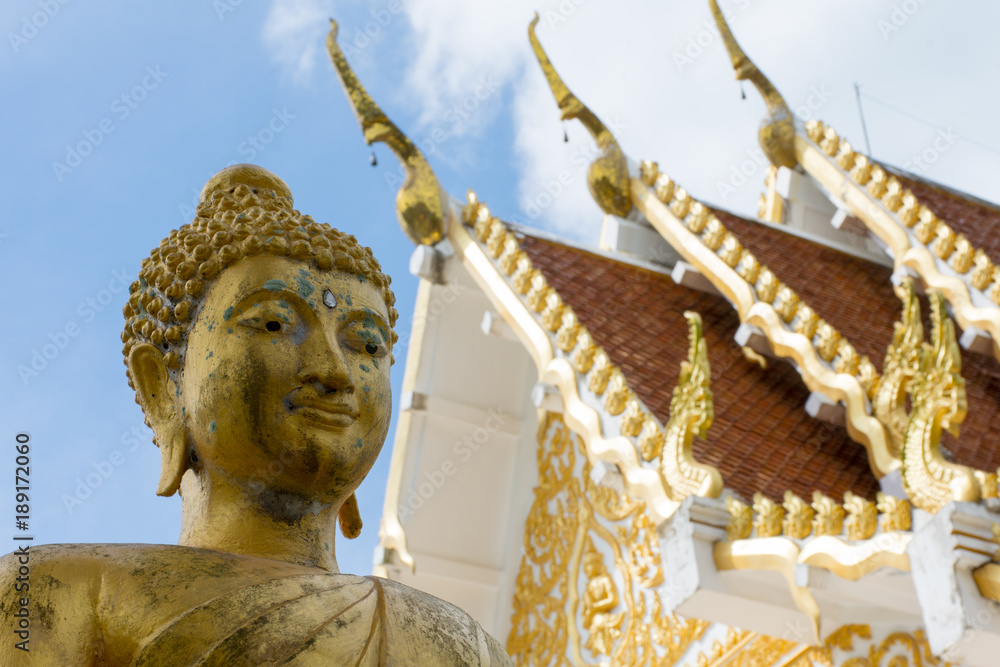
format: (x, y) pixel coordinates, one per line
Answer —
(762, 438)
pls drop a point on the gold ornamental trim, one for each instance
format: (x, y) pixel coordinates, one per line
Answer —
(842, 538)
(827, 361)
(849, 645)
(918, 239)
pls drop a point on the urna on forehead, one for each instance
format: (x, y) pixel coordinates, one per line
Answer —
(245, 210)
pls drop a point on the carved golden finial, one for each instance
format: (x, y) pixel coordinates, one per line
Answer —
(608, 177)
(420, 202)
(899, 367)
(937, 393)
(777, 131)
(895, 512)
(862, 517)
(798, 516)
(829, 517)
(740, 519)
(768, 516)
(691, 414)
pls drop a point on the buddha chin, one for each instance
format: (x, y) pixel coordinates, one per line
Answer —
(259, 344)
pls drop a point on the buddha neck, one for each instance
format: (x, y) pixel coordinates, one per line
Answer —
(218, 514)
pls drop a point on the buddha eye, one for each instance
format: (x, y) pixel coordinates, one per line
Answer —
(371, 348)
(273, 326)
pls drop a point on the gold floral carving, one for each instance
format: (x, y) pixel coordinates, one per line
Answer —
(937, 394)
(761, 299)
(848, 646)
(889, 210)
(898, 649)
(586, 587)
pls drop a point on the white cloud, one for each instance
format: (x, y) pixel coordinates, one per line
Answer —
(293, 32)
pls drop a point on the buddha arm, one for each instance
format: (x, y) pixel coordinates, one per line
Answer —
(63, 628)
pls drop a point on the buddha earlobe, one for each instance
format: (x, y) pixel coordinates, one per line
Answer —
(350, 518)
(156, 393)
(173, 455)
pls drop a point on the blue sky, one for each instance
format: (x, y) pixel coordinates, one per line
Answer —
(154, 98)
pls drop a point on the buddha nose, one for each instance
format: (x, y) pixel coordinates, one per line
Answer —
(324, 365)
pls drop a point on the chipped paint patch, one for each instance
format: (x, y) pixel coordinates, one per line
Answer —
(212, 427)
(228, 313)
(364, 368)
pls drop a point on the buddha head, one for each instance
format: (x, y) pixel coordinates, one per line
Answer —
(258, 343)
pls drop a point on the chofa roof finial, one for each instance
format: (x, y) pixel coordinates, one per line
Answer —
(420, 202)
(777, 131)
(608, 176)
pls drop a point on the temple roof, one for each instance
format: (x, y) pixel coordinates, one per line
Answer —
(979, 220)
(762, 438)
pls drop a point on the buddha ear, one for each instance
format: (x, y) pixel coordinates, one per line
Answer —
(158, 396)
(350, 518)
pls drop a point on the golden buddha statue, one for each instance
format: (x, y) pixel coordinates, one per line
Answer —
(258, 343)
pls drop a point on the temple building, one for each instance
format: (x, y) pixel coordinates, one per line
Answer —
(711, 440)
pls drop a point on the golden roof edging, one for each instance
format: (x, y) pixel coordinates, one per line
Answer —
(773, 554)
(823, 356)
(878, 199)
(567, 356)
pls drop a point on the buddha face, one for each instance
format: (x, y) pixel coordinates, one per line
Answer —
(285, 385)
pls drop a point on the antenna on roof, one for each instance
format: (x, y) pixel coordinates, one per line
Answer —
(861, 112)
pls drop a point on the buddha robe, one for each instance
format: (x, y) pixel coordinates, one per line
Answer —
(172, 605)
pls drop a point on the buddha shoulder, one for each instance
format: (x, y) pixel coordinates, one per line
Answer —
(156, 604)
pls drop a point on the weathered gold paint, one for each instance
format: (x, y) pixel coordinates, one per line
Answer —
(278, 410)
(420, 202)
